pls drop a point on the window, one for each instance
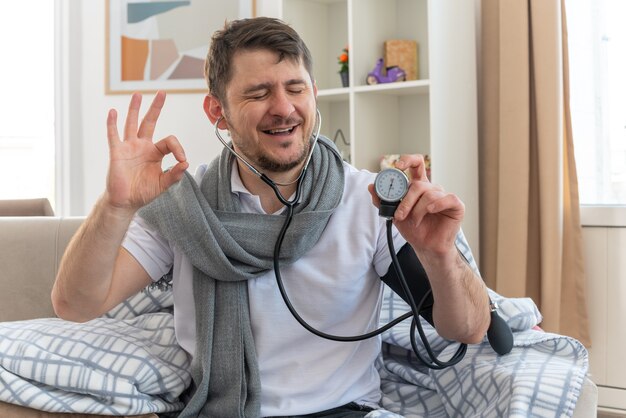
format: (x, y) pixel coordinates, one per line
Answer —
(27, 141)
(597, 41)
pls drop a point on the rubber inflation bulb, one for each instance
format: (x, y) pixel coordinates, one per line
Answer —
(499, 335)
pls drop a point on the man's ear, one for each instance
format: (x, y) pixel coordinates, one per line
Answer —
(213, 109)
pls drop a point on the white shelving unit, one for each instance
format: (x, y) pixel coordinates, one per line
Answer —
(434, 115)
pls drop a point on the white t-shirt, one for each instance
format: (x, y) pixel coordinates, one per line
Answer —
(335, 287)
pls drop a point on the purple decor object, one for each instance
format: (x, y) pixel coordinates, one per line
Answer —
(392, 74)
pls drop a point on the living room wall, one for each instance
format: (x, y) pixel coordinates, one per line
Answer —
(88, 105)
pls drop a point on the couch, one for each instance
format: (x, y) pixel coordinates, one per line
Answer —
(26, 207)
(32, 247)
(30, 255)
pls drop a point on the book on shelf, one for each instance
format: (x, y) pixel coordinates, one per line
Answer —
(403, 53)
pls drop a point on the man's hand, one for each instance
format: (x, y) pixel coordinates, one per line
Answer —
(96, 273)
(135, 174)
(428, 217)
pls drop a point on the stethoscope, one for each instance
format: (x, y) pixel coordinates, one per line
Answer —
(274, 185)
(433, 363)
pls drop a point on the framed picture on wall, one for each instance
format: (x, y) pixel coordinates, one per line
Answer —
(161, 45)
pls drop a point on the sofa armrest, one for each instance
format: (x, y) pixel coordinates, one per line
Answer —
(30, 250)
(26, 207)
(587, 404)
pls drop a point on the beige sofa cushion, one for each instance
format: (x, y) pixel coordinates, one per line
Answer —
(30, 250)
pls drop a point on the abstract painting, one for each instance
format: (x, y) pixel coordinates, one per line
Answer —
(161, 45)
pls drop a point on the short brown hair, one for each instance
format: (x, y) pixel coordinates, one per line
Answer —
(251, 34)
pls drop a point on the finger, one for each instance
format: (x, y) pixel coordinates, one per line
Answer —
(173, 174)
(130, 128)
(112, 135)
(170, 145)
(434, 202)
(416, 190)
(449, 205)
(415, 164)
(146, 128)
(420, 210)
(438, 187)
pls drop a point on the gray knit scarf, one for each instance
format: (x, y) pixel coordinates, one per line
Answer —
(227, 248)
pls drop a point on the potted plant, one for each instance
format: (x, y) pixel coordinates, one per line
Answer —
(343, 67)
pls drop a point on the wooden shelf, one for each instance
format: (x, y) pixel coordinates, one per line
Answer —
(401, 88)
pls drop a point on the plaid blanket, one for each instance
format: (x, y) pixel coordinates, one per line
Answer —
(128, 363)
(541, 377)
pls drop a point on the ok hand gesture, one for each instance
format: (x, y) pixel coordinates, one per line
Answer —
(135, 175)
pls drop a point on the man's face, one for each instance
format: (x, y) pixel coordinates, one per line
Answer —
(270, 110)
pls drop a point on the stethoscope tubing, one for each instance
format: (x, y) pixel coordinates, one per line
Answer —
(290, 204)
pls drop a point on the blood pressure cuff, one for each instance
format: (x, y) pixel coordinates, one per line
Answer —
(416, 278)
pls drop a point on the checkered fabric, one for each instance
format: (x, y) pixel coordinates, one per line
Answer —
(126, 363)
(541, 377)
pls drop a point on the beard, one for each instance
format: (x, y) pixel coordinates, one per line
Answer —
(265, 161)
(268, 164)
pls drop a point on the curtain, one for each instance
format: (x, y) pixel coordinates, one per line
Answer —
(531, 237)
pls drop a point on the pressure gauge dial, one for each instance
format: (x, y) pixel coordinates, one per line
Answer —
(391, 186)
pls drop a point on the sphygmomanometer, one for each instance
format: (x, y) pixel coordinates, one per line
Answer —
(391, 185)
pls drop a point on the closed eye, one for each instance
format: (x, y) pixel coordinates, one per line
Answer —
(257, 92)
(296, 86)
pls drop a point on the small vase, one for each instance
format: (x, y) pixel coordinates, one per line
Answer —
(345, 81)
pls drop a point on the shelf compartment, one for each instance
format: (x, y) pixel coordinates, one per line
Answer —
(398, 124)
(323, 25)
(376, 21)
(336, 116)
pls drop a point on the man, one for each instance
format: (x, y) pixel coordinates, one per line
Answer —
(216, 234)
